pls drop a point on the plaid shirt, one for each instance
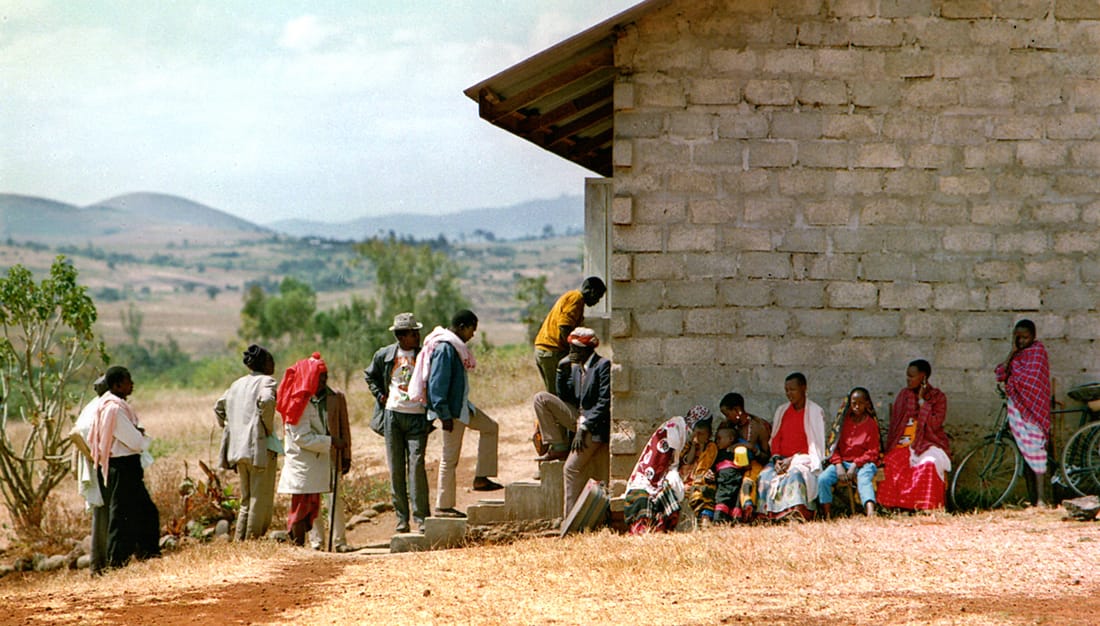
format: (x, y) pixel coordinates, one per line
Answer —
(1029, 384)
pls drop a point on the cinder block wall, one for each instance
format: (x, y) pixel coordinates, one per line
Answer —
(839, 187)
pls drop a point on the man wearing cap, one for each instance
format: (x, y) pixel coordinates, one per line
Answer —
(403, 419)
(582, 404)
(551, 344)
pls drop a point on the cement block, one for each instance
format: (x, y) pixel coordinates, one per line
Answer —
(487, 513)
(409, 542)
(444, 532)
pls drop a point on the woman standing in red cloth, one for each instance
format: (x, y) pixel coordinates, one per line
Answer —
(917, 449)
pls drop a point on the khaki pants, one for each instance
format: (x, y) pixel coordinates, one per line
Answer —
(547, 363)
(555, 417)
(257, 498)
(318, 535)
(488, 431)
(593, 461)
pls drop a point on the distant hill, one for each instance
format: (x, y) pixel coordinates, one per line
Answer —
(565, 214)
(168, 209)
(150, 216)
(154, 217)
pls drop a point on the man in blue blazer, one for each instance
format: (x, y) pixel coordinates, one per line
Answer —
(581, 405)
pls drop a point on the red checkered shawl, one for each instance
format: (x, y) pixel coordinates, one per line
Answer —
(1028, 385)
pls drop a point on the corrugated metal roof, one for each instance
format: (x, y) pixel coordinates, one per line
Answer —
(561, 98)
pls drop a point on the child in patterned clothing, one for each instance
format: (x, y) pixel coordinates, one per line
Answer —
(700, 493)
(726, 475)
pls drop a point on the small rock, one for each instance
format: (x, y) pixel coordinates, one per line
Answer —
(84, 562)
(86, 543)
(382, 507)
(169, 543)
(1083, 509)
(207, 534)
(280, 536)
(5, 570)
(23, 564)
(221, 529)
(50, 563)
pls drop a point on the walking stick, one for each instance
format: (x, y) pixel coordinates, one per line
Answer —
(335, 482)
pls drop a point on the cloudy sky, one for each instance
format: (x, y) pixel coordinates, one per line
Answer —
(326, 110)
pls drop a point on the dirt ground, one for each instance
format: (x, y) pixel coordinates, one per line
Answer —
(1005, 567)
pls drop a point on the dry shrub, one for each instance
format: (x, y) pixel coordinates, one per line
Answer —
(505, 376)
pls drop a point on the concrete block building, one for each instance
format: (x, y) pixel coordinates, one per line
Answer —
(835, 187)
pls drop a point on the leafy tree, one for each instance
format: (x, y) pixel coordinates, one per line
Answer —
(350, 333)
(536, 300)
(414, 277)
(271, 318)
(47, 341)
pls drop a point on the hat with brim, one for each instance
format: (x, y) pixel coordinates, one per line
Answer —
(405, 321)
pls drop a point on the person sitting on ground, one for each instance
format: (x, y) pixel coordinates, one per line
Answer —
(307, 470)
(582, 405)
(655, 490)
(788, 485)
(726, 473)
(247, 413)
(1026, 377)
(440, 380)
(853, 452)
(754, 433)
(120, 450)
(917, 448)
(695, 463)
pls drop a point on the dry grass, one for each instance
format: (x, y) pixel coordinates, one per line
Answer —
(999, 568)
(1008, 567)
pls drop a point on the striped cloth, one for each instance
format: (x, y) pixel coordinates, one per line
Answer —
(1030, 438)
(912, 482)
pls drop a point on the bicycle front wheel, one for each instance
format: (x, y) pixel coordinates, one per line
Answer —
(1081, 460)
(986, 475)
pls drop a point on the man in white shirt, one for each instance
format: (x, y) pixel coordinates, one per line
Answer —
(117, 443)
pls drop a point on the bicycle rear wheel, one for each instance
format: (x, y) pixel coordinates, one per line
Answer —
(1081, 460)
(986, 476)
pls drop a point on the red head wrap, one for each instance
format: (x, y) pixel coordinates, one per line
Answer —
(299, 383)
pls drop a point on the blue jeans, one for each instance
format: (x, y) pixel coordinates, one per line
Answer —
(865, 482)
(406, 437)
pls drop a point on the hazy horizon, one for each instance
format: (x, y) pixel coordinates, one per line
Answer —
(322, 111)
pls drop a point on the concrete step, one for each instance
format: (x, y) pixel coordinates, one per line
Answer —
(541, 499)
(409, 542)
(444, 532)
(487, 513)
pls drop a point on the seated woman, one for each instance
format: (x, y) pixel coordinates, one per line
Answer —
(916, 447)
(854, 452)
(788, 485)
(753, 433)
(655, 489)
(695, 463)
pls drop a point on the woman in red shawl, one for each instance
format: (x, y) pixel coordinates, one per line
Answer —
(307, 470)
(917, 449)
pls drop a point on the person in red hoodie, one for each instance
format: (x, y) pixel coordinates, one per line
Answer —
(854, 445)
(917, 451)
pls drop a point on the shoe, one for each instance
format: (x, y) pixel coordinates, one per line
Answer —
(345, 548)
(484, 484)
(553, 455)
(402, 529)
(452, 512)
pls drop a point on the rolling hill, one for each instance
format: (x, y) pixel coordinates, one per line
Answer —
(565, 214)
(154, 218)
(136, 216)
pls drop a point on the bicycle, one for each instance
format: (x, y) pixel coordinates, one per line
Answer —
(988, 474)
(1081, 456)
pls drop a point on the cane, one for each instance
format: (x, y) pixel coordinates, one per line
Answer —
(335, 483)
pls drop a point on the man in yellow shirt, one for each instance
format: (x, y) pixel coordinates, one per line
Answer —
(551, 345)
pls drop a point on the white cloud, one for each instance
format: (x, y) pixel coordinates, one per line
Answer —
(305, 33)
